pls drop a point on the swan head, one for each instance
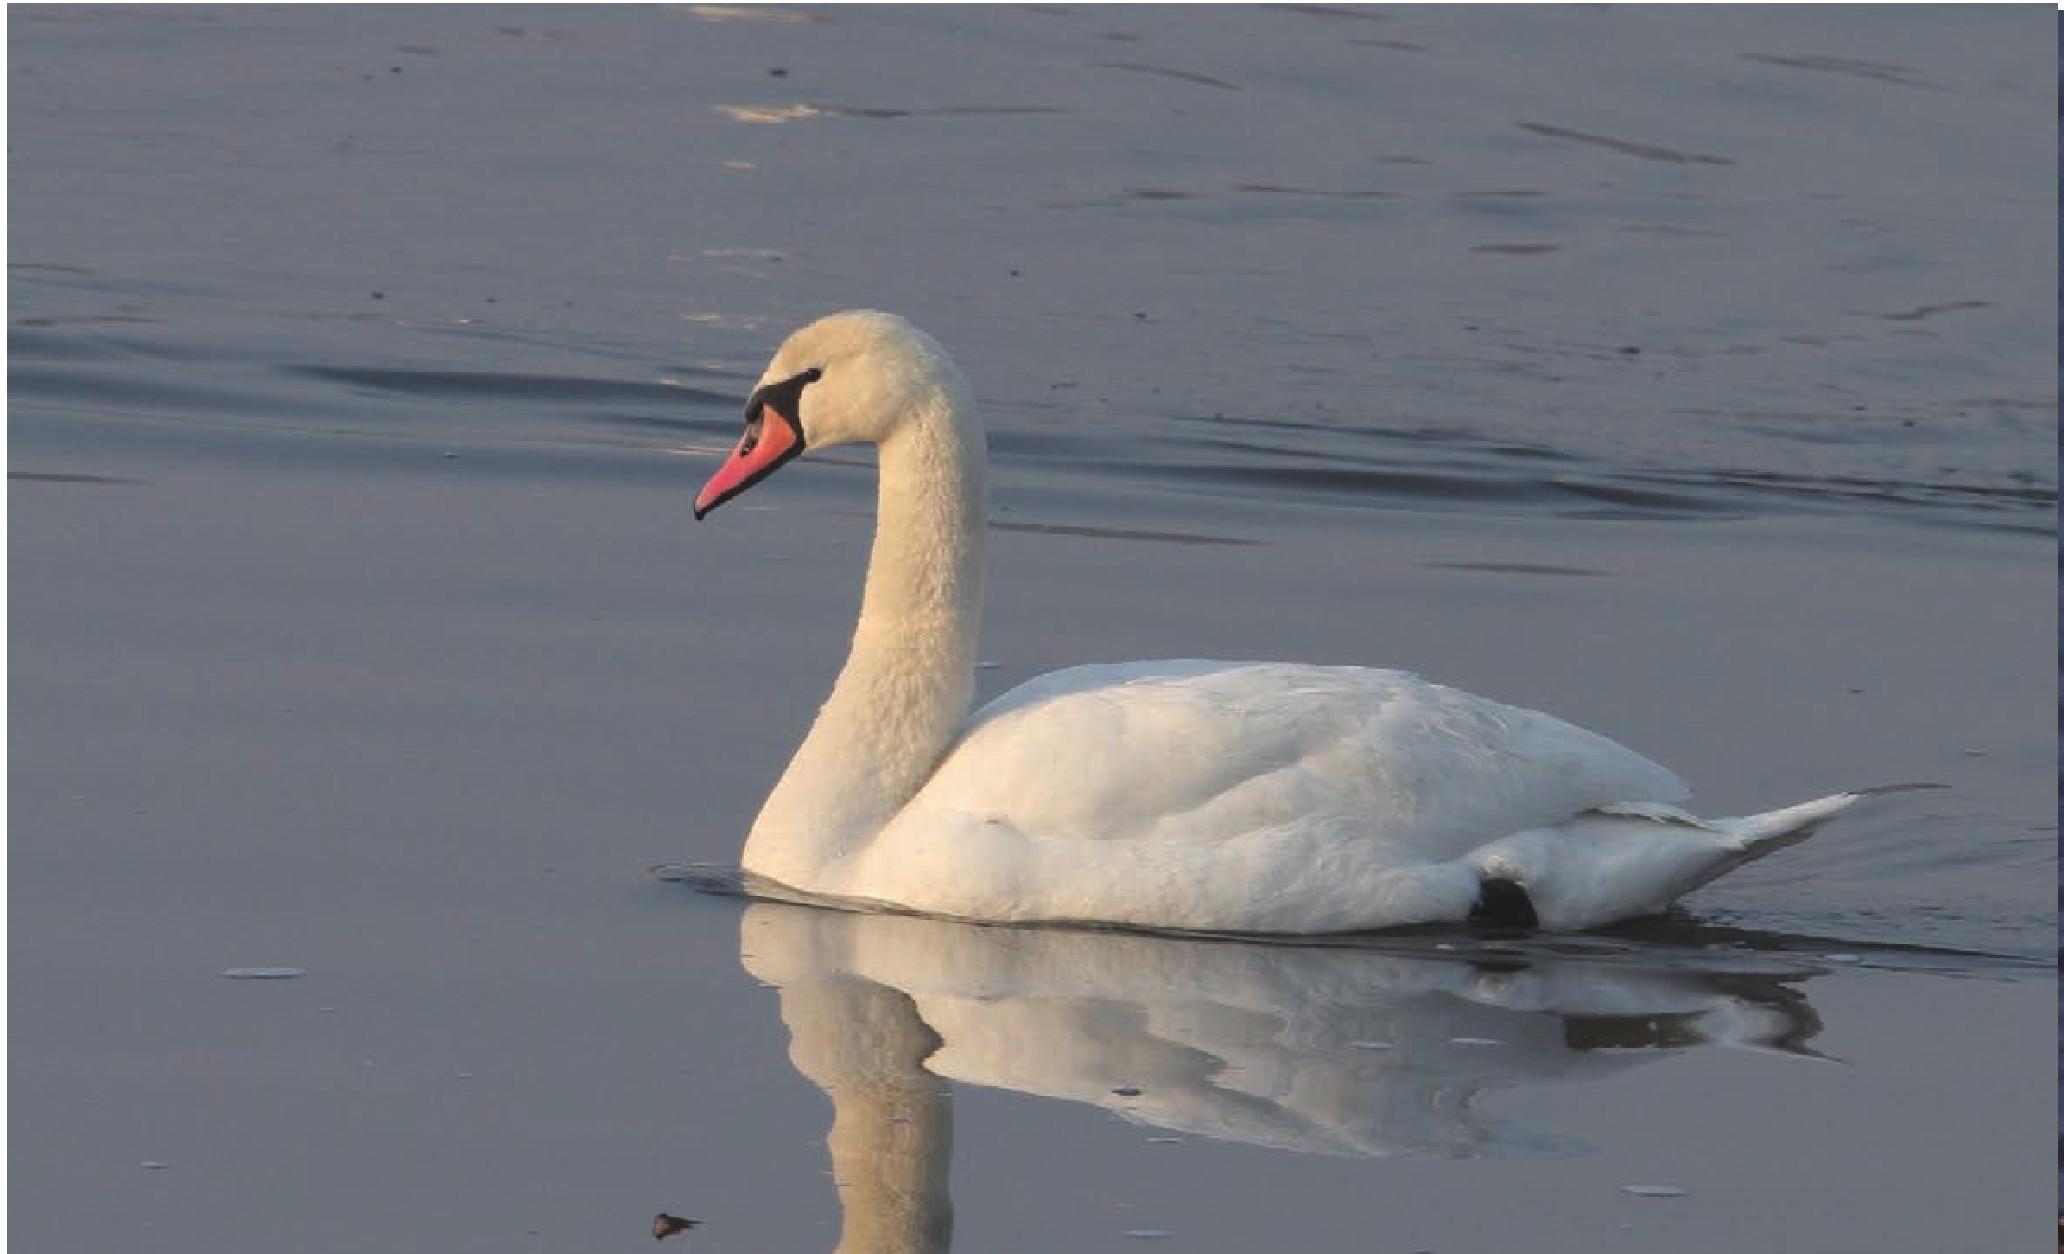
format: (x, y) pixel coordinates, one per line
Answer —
(850, 378)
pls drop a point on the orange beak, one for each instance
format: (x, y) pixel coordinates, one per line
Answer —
(771, 439)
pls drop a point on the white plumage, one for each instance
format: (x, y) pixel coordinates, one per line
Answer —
(1220, 796)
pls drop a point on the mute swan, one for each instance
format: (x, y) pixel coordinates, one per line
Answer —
(1252, 797)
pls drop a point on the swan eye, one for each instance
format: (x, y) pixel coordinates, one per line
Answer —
(787, 399)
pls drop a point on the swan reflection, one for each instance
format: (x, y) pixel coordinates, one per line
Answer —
(1359, 1050)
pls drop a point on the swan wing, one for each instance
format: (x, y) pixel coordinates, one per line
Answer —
(1246, 797)
(1199, 751)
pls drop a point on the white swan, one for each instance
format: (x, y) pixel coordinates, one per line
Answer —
(1190, 795)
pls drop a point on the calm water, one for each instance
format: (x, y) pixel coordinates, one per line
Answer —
(1688, 373)
(1675, 263)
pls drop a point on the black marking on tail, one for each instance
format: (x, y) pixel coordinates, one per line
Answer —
(1503, 903)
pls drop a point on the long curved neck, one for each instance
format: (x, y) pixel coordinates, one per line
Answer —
(904, 691)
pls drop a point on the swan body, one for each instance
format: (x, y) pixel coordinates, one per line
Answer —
(1191, 795)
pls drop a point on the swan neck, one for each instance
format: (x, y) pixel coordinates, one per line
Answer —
(930, 516)
(903, 693)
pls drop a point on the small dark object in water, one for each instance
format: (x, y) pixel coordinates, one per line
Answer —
(775, 71)
(1126, 1090)
(665, 1225)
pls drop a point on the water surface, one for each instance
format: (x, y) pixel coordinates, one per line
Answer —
(1687, 373)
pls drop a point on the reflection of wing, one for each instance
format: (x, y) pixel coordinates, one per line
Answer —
(1333, 1050)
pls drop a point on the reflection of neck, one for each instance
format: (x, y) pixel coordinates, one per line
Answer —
(891, 1130)
(904, 690)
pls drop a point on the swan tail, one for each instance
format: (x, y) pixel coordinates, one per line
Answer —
(1622, 861)
(1752, 836)
(1775, 829)
(1759, 834)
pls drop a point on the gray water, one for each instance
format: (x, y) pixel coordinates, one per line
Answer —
(1688, 373)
